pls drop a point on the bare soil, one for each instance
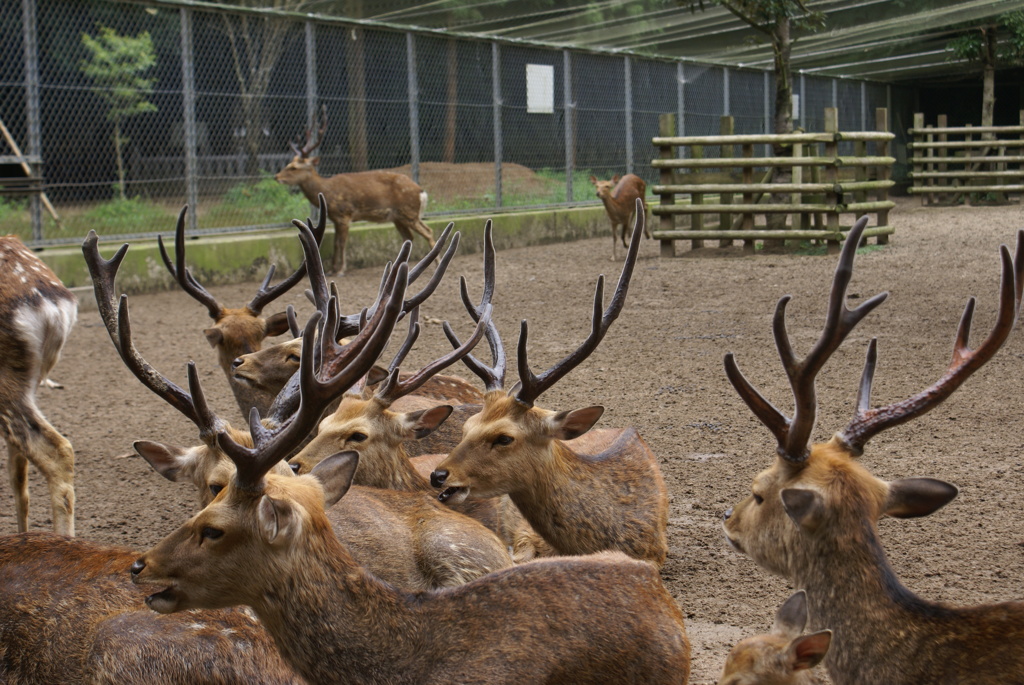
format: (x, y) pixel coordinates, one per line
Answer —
(659, 369)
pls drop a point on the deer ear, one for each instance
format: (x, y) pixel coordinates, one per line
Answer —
(616, 178)
(315, 160)
(423, 423)
(791, 617)
(276, 324)
(567, 425)
(214, 336)
(805, 507)
(170, 461)
(376, 375)
(593, 180)
(913, 497)
(335, 474)
(279, 520)
(807, 651)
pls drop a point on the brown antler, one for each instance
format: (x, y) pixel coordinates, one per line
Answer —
(492, 376)
(118, 325)
(794, 434)
(392, 388)
(265, 295)
(310, 144)
(532, 386)
(270, 446)
(869, 422)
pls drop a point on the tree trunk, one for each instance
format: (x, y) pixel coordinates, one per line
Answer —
(358, 153)
(252, 120)
(451, 111)
(782, 48)
(988, 93)
(120, 159)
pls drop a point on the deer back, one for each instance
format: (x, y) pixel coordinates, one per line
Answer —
(620, 195)
(70, 614)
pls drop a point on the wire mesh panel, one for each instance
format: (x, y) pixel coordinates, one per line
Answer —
(456, 123)
(12, 75)
(599, 125)
(848, 102)
(814, 102)
(705, 102)
(746, 101)
(533, 126)
(654, 94)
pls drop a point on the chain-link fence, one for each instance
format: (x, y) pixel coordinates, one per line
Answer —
(210, 99)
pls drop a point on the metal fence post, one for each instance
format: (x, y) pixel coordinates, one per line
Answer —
(496, 97)
(767, 96)
(835, 93)
(189, 106)
(628, 74)
(29, 27)
(569, 152)
(725, 91)
(681, 99)
(414, 107)
(863, 106)
(311, 94)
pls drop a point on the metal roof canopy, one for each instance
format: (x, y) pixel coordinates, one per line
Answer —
(880, 40)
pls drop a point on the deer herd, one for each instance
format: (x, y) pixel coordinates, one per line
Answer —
(372, 523)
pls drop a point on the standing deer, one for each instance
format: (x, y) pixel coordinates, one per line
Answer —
(265, 542)
(782, 657)
(579, 502)
(407, 539)
(379, 196)
(812, 516)
(69, 614)
(36, 316)
(619, 196)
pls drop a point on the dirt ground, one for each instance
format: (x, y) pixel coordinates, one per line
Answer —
(659, 369)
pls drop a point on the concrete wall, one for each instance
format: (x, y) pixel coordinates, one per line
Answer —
(246, 257)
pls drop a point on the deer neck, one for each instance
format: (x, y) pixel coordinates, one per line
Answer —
(393, 472)
(313, 185)
(581, 504)
(880, 626)
(334, 621)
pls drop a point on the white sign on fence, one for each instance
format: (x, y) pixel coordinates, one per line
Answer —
(540, 89)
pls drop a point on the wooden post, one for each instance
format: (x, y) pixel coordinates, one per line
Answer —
(726, 127)
(930, 166)
(968, 153)
(666, 222)
(697, 220)
(832, 176)
(942, 121)
(747, 220)
(884, 173)
(918, 167)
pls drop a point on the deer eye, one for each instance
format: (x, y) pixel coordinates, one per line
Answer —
(211, 533)
(357, 437)
(503, 440)
(215, 489)
(292, 359)
(758, 498)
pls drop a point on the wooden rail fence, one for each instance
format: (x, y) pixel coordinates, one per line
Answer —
(953, 164)
(824, 186)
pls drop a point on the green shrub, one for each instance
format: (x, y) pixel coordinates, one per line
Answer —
(130, 215)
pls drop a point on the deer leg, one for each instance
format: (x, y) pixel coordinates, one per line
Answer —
(52, 454)
(615, 242)
(403, 230)
(341, 225)
(17, 471)
(424, 231)
(632, 218)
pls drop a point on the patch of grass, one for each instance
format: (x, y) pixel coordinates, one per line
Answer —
(263, 202)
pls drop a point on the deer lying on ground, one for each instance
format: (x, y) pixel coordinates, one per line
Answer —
(69, 614)
(266, 543)
(812, 517)
(36, 316)
(782, 657)
(406, 538)
(578, 502)
(619, 196)
(360, 196)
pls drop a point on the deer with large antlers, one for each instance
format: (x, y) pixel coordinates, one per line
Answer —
(600, 619)
(36, 316)
(812, 516)
(579, 501)
(785, 656)
(406, 538)
(70, 614)
(380, 196)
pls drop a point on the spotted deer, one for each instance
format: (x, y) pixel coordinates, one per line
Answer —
(812, 516)
(620, 196)
(37, 314)
(598, 619)
(579, 501)
(70, 614)
(407, 539)
(236, 331)
(360, 196)
(782, 657)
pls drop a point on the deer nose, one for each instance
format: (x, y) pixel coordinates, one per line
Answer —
(437, 478)
(295, 468)
(137, 567)
(236, 362)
